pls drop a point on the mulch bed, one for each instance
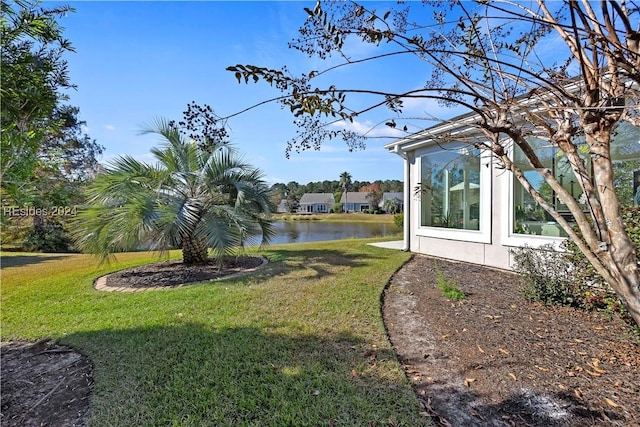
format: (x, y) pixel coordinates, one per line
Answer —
(495, 359)
(44, 384)
(175, 273)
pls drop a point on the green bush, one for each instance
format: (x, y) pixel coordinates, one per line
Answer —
(398, 220)
(547, 275)
(337, 208)
(48, 236)
(596, 293)
(568, 278)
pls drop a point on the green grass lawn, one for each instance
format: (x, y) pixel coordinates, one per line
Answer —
(299, 343)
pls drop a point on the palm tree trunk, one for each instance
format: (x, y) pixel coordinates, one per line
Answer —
(194, 251)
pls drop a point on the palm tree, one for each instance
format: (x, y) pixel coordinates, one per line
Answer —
(345, 183)
(193, 198)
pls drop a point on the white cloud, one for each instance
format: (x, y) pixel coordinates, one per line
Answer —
(110, 127)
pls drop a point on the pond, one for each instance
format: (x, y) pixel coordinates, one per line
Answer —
(315, 231)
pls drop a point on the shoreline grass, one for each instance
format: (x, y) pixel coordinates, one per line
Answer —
(300, 342)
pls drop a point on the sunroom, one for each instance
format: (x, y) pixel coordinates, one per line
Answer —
(460, 205)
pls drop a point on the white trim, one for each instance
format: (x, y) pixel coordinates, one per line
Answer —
(483, 235)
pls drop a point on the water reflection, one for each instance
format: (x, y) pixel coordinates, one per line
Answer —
(315, 231)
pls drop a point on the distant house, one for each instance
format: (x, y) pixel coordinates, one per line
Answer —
(398, 197)
(316, 203)
(355, 201)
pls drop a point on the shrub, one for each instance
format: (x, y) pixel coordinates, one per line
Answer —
(597, 294)
(48, 236)
(398, 220)
(547, 275)
(337, 208)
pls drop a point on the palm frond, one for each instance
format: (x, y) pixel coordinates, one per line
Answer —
(213, 197)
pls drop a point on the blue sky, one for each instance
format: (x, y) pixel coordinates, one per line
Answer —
(136, 61)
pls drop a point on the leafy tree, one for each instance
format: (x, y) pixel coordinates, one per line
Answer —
(392, 186)
(391, 206)
(292, 203)
(489, 57)
(33, 77)
(294, 188)
(374, 194)
(45, 155)
(195, 198)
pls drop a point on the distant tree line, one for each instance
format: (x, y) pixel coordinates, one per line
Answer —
(293, 191)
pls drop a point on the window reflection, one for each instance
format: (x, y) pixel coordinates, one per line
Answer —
(530, 218)
(450, 189)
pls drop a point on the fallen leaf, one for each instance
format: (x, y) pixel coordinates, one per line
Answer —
(480, 349)
(578, 341)
(595, 368)
(513, 376)
(578, 393)
(611, 402)
(502, 350)
(563, 387)
(542, 369)
(444, 337)
(593, 374)
(468, 381)
(354, 373)
(316, 392)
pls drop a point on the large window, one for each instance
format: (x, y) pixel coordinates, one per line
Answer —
(450, 189)
(530, 218)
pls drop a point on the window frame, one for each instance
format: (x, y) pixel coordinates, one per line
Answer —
(483, 234)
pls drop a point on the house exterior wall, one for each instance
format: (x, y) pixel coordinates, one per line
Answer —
(354, 202)
(474, 211)
(316, 203)
(498, 241)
